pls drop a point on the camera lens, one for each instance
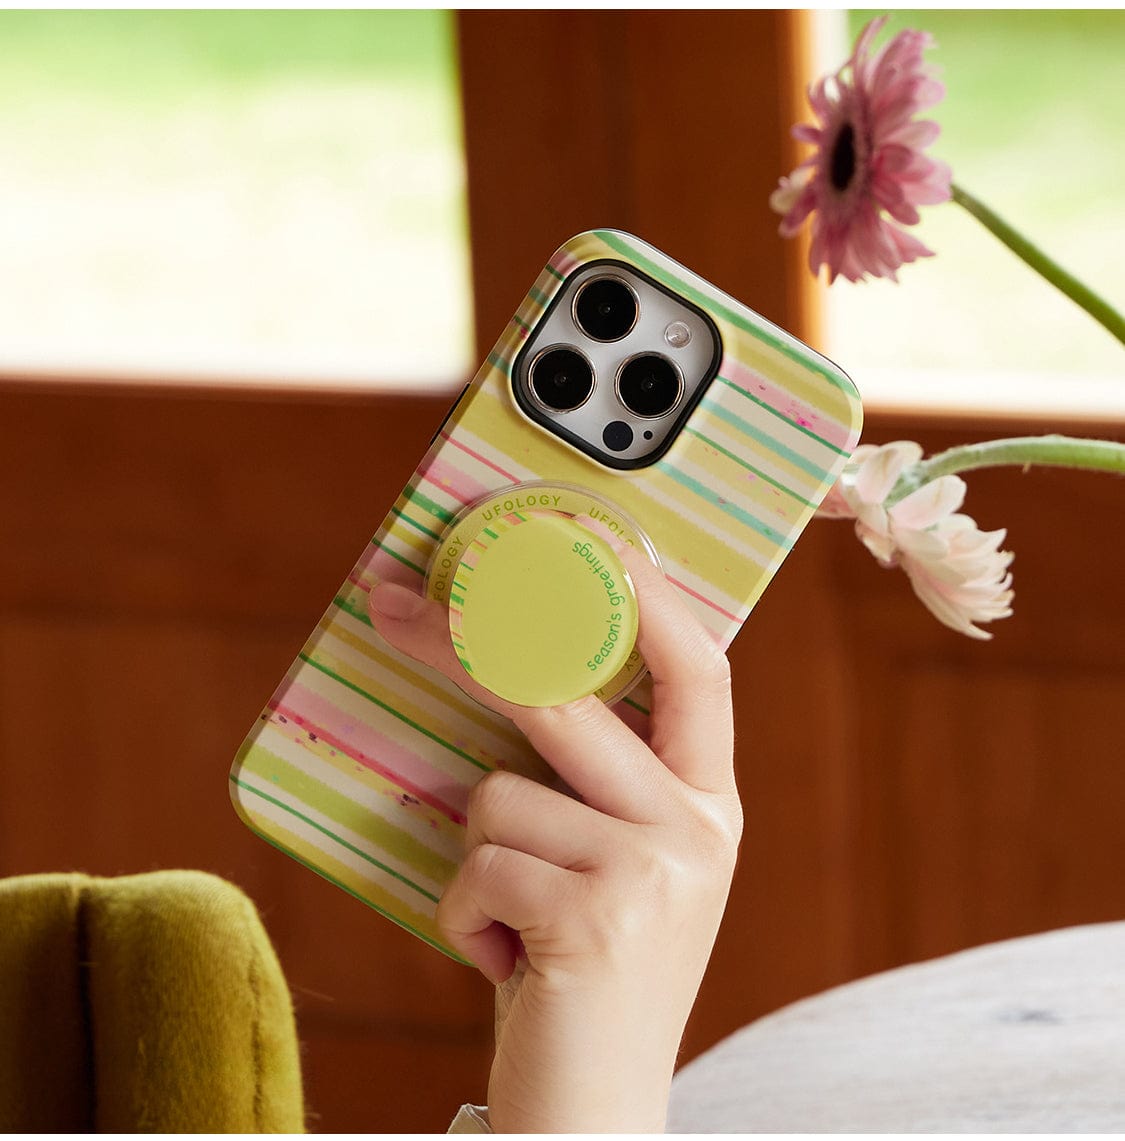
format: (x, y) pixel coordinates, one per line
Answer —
(649, 385)
(605, 309)
(561, 379)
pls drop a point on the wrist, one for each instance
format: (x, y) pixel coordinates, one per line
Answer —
(598, 1076)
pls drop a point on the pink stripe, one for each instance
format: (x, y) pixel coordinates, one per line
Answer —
(564, 263)
(378, 564)
(440, 473)
(785, 403)
(702, 598)
(398, 765)
(480, 459)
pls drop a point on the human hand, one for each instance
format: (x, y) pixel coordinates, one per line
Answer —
(595, 916)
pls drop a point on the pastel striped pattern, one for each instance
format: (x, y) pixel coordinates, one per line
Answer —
(361, 765)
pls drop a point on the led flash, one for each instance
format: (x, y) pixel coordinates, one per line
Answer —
(677, 334)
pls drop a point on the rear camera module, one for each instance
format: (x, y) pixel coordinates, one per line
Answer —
(605, 309)
(649, 385)
(561, 379)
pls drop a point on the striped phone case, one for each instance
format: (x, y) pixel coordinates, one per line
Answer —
(361, 764)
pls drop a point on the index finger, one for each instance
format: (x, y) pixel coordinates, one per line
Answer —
(692, 714)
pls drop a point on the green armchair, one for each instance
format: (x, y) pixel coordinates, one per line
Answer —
(148, 1003)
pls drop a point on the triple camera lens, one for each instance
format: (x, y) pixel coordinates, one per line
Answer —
(605, 309)
(649, 385)
(561, 379)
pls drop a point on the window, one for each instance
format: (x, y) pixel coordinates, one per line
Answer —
(271, 195)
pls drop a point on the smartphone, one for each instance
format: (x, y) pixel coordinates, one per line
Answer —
(625, 387)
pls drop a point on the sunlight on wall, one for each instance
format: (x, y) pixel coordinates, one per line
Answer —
(264, 195)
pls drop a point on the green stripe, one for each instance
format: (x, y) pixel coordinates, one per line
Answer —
(490, 532)
(458, 598)
(345, 604)
(499, 362)
(355, 895)
(402, 559)
(712, 496)
(765, 439)
(804, 358)
(415, 524)
(555, 273)
(429, 506)
(637, 706)
(535, 295)
(749, 467)
(781, 416)
(312, 791)
(522, 324)
(338, 839)
(392, 710)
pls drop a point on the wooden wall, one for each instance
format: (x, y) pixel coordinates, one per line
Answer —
(673, 125)
(164, 551)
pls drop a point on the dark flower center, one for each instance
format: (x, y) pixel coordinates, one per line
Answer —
(841, 165)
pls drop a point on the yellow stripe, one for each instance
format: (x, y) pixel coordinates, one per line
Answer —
(725, 537)
(351, 704)
(767, 503)
(362, 886)
(787, 374)
(521, 758)
(412, 680)
(417, 547)
(264, 762)
(783, 470)
(505, 432)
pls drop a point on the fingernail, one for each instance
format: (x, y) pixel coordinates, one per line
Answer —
(389, 600)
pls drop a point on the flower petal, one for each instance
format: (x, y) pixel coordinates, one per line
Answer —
(881, 470)
(877, 93)
(931, 502)
(941, 603)
(789, 190)
(957, 572)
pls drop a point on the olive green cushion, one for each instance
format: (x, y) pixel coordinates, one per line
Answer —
(150, 1003)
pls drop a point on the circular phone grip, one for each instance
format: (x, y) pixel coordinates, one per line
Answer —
(541, 609)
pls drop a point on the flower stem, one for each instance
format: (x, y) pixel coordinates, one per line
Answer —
(1020, 451)
(1096, 306)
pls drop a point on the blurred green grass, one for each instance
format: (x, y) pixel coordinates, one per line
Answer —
(158, 53)
(317, 155)
(1031, 124)
(234, 192)
(1048, 82)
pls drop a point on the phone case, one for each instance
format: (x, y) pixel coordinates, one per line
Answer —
(361, 764)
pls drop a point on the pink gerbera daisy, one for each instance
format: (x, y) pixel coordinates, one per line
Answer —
(868, 163)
